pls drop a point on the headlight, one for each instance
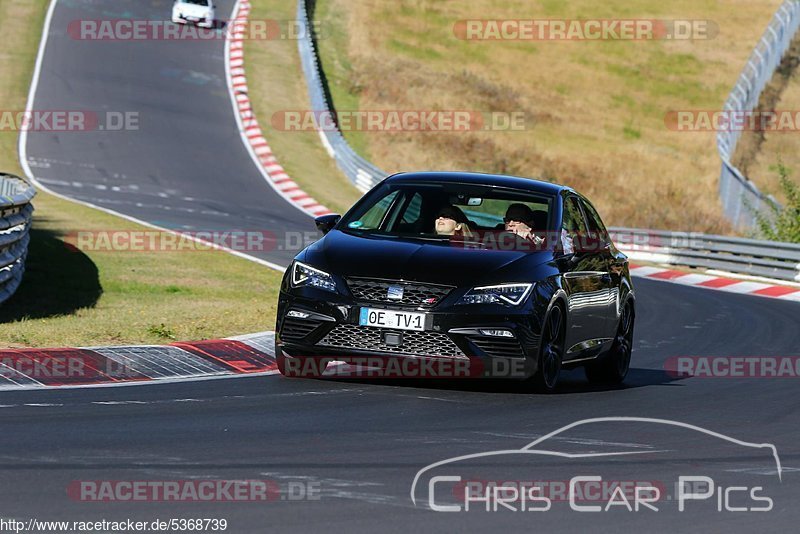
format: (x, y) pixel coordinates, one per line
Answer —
(305, 275)
(513, 294)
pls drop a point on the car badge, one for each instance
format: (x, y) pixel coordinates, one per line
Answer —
(430, 300)
(395, 293)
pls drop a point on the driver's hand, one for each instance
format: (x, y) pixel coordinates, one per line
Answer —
(521, 229)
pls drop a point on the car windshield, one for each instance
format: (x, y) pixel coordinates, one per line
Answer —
(412, 210)
(204, 3)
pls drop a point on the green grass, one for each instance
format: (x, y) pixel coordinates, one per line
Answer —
(71, 297)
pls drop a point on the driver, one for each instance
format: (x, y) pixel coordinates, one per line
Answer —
(519, 220)
(451, 221)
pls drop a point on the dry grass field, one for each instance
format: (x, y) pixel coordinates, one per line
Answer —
(595, 109)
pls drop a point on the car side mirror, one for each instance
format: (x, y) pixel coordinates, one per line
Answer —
(325, 223)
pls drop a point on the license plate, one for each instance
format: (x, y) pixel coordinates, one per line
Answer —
(392, 319)
(192, 19)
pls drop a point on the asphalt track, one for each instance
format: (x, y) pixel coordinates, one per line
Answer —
(360, 442)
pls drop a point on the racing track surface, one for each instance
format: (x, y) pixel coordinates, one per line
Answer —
(362, 442)
(185, 167)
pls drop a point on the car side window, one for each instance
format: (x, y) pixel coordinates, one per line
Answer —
(596, 226)
(573, 225)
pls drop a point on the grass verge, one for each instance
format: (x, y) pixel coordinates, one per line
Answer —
(762, 156)
(276, 84)
(70, 297)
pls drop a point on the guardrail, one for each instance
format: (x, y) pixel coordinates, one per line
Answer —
(361, 172)
(769, 259)
(15, 221)
(740, 197)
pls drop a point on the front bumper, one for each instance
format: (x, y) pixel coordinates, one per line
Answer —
(203, 22)
(454, 333)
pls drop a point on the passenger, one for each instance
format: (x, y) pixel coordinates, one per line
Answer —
(519, 220)
(452, 221)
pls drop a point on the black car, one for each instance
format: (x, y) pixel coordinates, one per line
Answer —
(497, 272)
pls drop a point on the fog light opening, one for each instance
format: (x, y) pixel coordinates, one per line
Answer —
(496, 332)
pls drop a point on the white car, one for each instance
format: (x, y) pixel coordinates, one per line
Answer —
(200, 12)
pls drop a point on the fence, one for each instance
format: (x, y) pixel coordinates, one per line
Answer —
(751, 257)
(15, 222)
(740, 197)
(361, 172)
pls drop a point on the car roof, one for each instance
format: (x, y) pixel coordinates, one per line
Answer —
(495, 180)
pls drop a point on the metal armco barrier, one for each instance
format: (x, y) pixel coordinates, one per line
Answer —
(770, 259)
(361, 172)
(740, 197)
(15, 221)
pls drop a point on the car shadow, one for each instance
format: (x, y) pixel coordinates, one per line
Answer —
(573, 382)
(58, 280)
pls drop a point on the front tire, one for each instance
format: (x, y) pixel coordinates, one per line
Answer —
(613, 366)
(551, 351)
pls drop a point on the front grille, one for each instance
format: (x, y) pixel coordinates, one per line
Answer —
(369, 338)
(295, 329)
(499, 347)
(414, 293)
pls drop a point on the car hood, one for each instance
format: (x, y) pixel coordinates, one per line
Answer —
(418, 260)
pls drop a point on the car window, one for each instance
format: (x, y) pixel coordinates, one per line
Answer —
(573, 226)
(573, 221)
(411, 210)
(596, 226)
(375, 215)
(491, 212)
